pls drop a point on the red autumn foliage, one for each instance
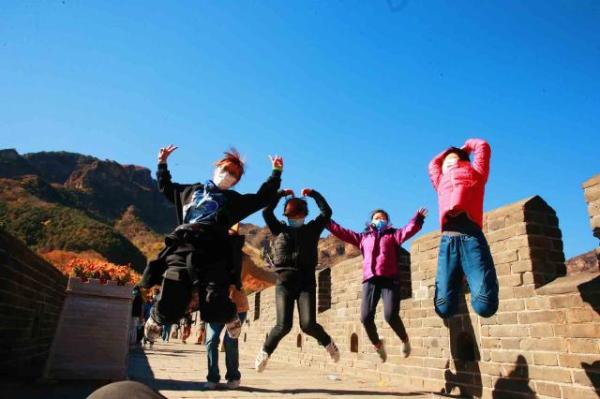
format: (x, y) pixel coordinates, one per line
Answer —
(104, 271)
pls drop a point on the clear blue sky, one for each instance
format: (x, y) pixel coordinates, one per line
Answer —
(356, 95)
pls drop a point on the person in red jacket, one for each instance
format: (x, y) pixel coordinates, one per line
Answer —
(464, 251)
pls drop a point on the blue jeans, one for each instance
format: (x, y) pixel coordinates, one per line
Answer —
(469, 255)
(165, 332)
(232, 356)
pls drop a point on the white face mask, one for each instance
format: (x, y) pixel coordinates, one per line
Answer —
(223, 180)
(449, 162)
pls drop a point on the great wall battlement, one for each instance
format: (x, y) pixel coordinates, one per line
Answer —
(543, 342)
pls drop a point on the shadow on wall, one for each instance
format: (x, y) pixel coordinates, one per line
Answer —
(465, 354)
(590, 293)
(324, 290)
(593, 373)
(405, 275)
(516, 384)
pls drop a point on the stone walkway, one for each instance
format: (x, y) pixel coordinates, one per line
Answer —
(178, 371)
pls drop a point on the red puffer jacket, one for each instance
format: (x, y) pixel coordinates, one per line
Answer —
(462, 188)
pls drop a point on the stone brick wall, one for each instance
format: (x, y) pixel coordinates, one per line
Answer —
(591, 190)
(544, 339)
(31, 296)
(92, 338)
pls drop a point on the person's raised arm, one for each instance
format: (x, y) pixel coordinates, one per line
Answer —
(324, 207)
(273, 224)
(267, 192)
(412, 227)
(482, 153)
(346, 235)
(163, 176)
(435, 169)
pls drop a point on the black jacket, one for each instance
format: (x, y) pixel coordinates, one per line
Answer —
(217, 245)
(296, 249)
(238, 206)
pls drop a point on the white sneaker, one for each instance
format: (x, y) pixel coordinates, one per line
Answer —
(380, 349)
(233, 384)
(234, 328)
(405, 348)
(209, 386)
(333, 351)
(261, 361)
(152, 330)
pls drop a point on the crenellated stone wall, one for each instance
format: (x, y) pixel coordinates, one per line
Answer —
(543, 342)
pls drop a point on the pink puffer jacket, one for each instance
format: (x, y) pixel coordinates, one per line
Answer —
(379, 248)
(462, 188)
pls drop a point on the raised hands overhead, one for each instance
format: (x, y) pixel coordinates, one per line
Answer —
(306, 192)
(276, 162)
(423, 212)
(164, 153)
(287, 191)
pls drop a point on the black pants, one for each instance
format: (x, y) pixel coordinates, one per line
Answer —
(372, 291)
(304, 293)
(176, 291)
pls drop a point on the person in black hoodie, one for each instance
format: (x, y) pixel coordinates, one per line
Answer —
(295, 258)
(196, 266)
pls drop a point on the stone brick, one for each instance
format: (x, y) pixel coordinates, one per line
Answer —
(543, 316)
(574, 361)
(517, 242)
(577, 345)
(521, 266)
(541, 331)
(524, 292)
(511, 305)
(502, 269)
(506, 256)
(506, 318)
(580, 377)
(552, 374)
(511, 343)
(507, 331)
(545, 359)
(584, 330)
(578, 393)
(512, 280)
(544, 344)
(547, 389)
(566, 301)
(580, 315)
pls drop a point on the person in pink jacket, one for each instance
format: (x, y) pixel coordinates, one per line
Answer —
(379, 245)
(464, 251)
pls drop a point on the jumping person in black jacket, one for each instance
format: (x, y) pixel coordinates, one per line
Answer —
(295, 258)
(196, 265)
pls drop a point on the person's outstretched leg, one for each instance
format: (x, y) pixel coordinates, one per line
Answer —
(391, 310)
(371, 293)
(285, 296)
(213, 333)
(478, 266)
(284, 304)
(370, 298)
(307, 313)
(176, 292)
(232, 358)
(448, 278)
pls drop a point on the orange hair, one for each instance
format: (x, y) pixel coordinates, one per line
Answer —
(232, 163)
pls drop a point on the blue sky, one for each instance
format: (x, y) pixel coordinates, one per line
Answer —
(356, 95)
